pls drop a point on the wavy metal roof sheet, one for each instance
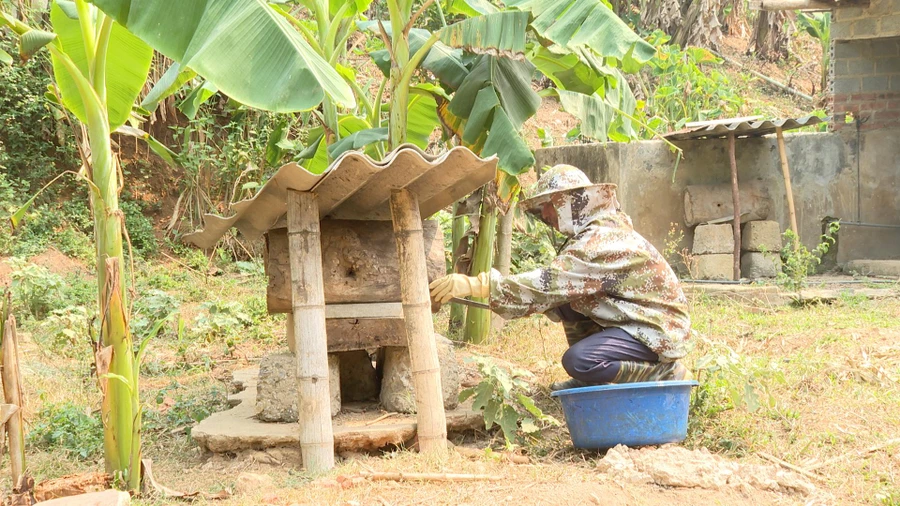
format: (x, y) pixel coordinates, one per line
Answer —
(357, 187)
(740, 127)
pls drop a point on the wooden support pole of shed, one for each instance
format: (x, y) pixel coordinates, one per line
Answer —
(12, 394)
(736, 197)
(311, 347)
(786, 171)
(426, 372)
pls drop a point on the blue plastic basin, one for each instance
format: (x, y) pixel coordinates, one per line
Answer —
(632, 414)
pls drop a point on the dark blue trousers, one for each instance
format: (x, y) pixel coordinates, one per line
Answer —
(597, 358)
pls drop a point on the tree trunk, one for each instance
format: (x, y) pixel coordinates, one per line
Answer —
(504, 241)
(478, 321)
(770, 39)
(399, 88)
(458, 232)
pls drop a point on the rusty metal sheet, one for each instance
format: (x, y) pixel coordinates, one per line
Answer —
(355, 187)
(740, 127)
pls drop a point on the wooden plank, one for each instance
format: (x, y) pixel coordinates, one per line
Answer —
(348, 334)
(786, 173)
(803, 5)
(314, 408)
(736, 197)
(360, 263)
(426, 371)
(370, 310)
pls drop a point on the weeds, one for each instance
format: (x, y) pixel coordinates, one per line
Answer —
(35, 289)
(678, 257)
(501, 396)
(798, 262)
(69, 428)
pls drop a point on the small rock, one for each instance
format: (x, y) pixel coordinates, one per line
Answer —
(105, 498)
(252, 483)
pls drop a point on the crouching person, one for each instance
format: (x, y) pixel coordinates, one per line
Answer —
(620, 304)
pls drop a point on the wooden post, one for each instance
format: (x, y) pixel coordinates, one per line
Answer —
(786, 171)
(314, 408)
(289, 332)
(736, 196)
(426, 371)
(12, 394)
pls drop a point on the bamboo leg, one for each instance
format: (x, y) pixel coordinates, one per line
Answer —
(314, 408)
(735, 195)
(12, 394)
(426, 372)
(289, 333)
(786, 171)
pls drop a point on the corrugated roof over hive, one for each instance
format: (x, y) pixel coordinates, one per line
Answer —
(355, 187)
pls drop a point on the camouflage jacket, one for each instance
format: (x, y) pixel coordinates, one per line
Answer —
(607, 272)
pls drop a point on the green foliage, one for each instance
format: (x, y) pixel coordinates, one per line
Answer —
(139, 227)
(35, 289)
(152, 307)
(35, 145)
(798, 262)
(66, 332)
(221, 319)
(501, 397)
(729, 380)
(686, 85)
(818, 25)
(69, 428)
(535, 245)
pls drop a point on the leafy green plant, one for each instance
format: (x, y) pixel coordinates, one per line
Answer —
(678, 257)
(220, 319)
(177, 409)
(35, 289)
(69, 428)
(536, 244)
(798, 262)
(501, 396)
(66, 331)
(818, 25)
(686, 85)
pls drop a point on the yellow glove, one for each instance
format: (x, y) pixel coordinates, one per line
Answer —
(460, 285)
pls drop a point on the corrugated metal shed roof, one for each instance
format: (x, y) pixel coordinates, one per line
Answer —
(740, 127)
(356, 187)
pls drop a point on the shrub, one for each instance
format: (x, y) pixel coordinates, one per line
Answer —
(69, 428)
(35, 289)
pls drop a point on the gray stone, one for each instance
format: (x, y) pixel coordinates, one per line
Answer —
(887, 268)
(718, 266)
(359, 381)
(860, 66)
(865, 27)
(847, 85)
(397, 391)
(276, 389)
(876, 83)
(709, 239)
(761, 236)
(756, 265)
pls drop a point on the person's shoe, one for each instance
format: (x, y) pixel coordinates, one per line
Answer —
(569, 383)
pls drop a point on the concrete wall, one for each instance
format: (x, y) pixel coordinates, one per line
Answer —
(866, 82)
(823, 176)
(880, 19)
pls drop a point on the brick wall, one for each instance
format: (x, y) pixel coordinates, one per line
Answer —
(866, 82)
(880, 19)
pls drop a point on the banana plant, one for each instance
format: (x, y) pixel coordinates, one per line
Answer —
(818, 25)
(101, 54)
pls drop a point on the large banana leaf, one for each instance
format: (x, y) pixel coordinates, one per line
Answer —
(512, 81)
(499, 33)
(470, 8)
(567, 71)
(245, 48)
(601, 116)
(127, 65)
(421, 116)
(585, 23)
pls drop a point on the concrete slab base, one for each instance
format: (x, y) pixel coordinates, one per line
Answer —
(238, 428)
(770, 295)
(886, 268)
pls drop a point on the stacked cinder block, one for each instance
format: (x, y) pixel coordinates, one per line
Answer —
(713, 252)
(760, 247)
